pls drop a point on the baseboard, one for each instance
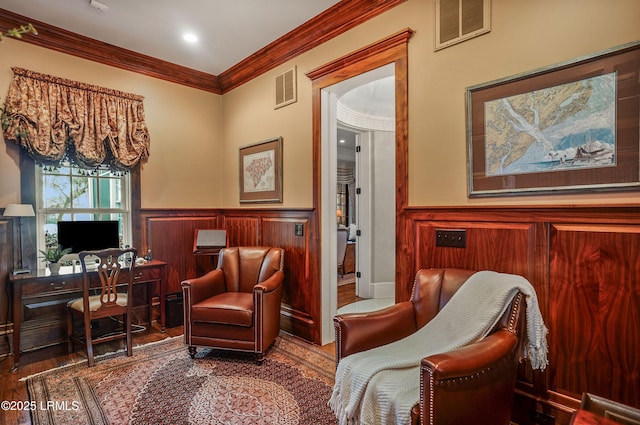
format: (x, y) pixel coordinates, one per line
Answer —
(383, 290)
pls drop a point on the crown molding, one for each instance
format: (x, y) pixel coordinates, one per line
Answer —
(331, 23)
(64, 41)
(334, 21)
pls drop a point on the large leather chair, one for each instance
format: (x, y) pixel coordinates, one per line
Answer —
(237, 305)
(471, 385)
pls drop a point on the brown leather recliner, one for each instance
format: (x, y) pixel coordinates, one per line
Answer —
(237, 305)
(471, 385)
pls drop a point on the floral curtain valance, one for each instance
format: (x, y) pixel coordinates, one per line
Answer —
(55, 119)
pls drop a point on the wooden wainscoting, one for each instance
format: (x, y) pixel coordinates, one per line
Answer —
(584, 263)
(6, 266)
(169, 234)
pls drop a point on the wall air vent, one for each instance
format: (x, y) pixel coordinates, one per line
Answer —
(286, 92)
(460, 20)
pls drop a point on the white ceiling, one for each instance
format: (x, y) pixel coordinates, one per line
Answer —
(228, 30)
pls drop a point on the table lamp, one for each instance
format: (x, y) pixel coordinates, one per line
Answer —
(19, 210)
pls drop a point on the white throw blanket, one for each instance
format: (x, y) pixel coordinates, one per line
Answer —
(380, 386)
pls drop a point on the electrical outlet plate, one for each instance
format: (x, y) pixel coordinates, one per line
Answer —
(299, 229)
(451, 238)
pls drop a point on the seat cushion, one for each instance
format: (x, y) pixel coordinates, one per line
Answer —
(94, 302)
(229, 308)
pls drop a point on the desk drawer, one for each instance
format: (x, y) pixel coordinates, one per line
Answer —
(73, 283)
(144, 274)
(51, 284)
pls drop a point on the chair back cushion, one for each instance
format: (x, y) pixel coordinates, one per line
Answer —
(245, 267)
(433, 288)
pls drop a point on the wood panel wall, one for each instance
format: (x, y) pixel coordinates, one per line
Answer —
(6, 265)
(584, 263)
(169, 234)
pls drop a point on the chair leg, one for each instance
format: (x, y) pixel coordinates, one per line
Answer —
(89, 344)
(128, 331)
(69, 332)
(192, 351)
(259, 358)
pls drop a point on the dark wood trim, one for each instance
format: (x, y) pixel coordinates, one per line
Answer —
(334, 21)
(392, 49)
(70, 43)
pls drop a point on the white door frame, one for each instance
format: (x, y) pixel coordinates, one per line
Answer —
(328, 159)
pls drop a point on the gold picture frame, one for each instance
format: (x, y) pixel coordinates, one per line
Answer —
(261, 171)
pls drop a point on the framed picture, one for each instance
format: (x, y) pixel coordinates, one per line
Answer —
(261, 171)
(572, 127)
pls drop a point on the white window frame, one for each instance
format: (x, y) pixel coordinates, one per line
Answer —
(124, 210)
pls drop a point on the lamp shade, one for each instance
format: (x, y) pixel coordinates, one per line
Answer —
(18, 210)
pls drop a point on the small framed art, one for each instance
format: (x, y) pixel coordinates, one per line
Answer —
(261, 171)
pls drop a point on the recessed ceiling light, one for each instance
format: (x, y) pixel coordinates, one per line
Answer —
(190, 37)
(341, 140)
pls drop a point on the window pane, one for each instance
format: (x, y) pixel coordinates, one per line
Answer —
(56, 191)
(82, 193)
(110, 193)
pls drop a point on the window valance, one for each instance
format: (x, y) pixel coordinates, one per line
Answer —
(346, 172)
(55, 119)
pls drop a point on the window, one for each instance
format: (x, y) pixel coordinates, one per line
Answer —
(71, 193)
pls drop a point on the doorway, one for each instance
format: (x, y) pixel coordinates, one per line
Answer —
(362, 107)
(390, 50)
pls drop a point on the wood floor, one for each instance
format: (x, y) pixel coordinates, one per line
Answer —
(12, 389)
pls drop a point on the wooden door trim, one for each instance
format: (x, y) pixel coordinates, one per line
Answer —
(392, 49)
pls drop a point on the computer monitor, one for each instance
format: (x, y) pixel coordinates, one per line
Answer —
(88, 235)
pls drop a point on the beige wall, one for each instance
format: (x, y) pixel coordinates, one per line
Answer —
(195, 135)
(525, 35)
(183, 169)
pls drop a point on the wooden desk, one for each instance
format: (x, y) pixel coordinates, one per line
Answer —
(39, 303)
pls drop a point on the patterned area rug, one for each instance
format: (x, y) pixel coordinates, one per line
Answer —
(161, 384)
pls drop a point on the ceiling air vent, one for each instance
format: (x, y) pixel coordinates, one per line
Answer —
(286, 88)
(460, 20)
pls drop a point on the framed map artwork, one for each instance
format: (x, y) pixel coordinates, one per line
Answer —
(261, 171)
(570, 127)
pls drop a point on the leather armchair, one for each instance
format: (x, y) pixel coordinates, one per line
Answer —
(237, 305)
(471, 385)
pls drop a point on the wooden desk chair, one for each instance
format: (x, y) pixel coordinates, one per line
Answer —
(107, 301)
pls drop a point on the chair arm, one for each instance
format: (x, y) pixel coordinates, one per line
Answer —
(357, 332)
(473, 384)
(271, 284)
(473, 358)
(205, 286)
